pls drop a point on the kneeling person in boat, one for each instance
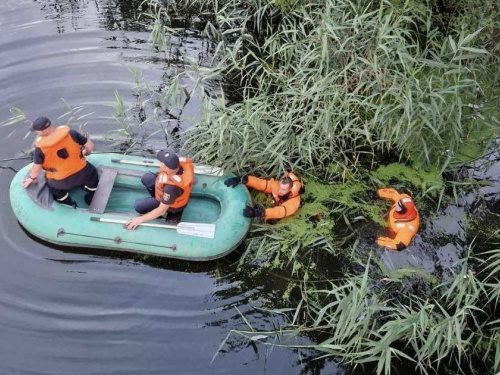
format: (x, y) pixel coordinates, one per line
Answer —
(285, 192)
(58, 151)
(170, 189)
(403, 219)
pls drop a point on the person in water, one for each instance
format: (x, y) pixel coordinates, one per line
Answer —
(169, 188)
(285, 192)
(58, 151)
(403, 219)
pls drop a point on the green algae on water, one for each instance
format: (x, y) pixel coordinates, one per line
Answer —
(416, 180)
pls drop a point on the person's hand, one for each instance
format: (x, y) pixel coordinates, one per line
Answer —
(27, 182)
(232, 181)
(250, 211)
(372, 194)
(133, 223)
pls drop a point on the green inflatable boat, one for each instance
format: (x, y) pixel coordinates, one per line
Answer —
(211, 226)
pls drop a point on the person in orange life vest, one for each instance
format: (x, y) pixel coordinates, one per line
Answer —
(403, 219)
(285, 192)
(170, 189)
(58, 151)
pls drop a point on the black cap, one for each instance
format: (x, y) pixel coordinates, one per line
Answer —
(40, 123)
(170, 160)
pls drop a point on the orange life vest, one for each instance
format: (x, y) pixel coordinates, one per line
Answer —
(183, 181)
(56, 167)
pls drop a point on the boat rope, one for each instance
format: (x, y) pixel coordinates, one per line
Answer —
(118, 240)
(12, 169)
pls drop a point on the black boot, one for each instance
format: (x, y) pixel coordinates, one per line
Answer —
(68, 201)
(88, 197)
(173, 219)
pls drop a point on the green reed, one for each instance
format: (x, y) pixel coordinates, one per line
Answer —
(332, 82)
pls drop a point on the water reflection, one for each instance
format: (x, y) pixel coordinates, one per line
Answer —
(71, 15)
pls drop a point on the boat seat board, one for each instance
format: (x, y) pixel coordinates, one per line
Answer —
(101, 195)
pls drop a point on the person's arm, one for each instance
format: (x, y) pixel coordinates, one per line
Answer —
(401, 241)
(285, 209)
(35, 171)
(88, 147)
(389, 193)
(260, 184)
(151, 215)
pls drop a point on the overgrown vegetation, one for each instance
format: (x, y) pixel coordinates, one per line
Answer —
(337, 90)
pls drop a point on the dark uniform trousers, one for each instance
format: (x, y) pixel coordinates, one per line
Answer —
(87, 178)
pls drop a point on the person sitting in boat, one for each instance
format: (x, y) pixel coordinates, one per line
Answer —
(170, 189)
(285, 192)
(58, 151)
(403, 219)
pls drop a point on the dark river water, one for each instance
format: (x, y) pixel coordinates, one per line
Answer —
(68, 311)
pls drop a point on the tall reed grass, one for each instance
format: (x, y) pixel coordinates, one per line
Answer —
(336, 82)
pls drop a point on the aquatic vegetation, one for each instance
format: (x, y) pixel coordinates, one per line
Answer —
(422, 181)
(354, 96)
(369, 320)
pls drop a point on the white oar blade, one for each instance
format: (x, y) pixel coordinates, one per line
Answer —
(196, 232)
(197, 229)
(185, 224)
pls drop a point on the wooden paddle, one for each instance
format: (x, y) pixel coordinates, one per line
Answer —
(198, 169)
(189, 229)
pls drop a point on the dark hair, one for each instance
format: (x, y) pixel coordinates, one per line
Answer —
(286, 181)
(402, 206)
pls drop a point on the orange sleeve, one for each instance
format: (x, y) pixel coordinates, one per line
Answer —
(260, 184)
(285, 209)
(390, 193)
(386, 242)
(188, 167)
(403, 238)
